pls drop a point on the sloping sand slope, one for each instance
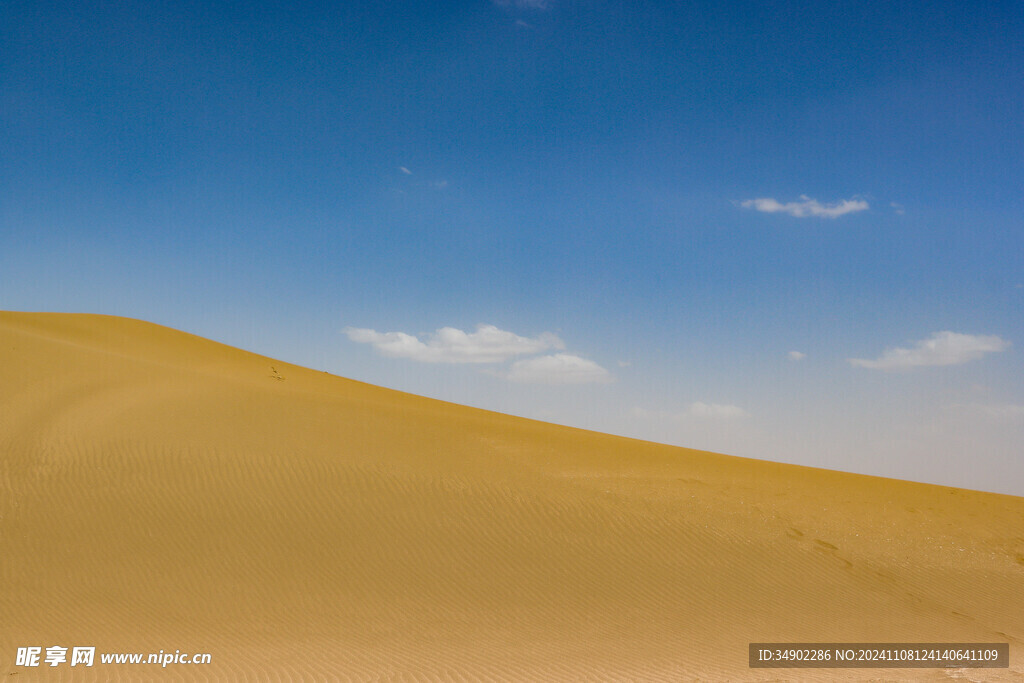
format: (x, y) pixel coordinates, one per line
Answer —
(159, 491)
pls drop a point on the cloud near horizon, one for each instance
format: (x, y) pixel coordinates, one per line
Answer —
(559, 368)
(942, 348)
(995, 411)
(487, 344)
(806, 207)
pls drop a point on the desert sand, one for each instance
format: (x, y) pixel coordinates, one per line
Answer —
(160, 491)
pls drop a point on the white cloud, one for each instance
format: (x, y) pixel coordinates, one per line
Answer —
(404, 170)
(897, 208)
(796, 355)
(806, 207)
(560, 368)
(697, 409)
(449, 345)
(715, 410)
(943, 348)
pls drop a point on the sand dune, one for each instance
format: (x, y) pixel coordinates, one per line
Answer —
(159, 491)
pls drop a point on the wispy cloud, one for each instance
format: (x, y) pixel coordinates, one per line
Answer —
(523, 4)
(404, 170)
(559, 368)
(942, 348)
(697, 409)
(806, 207)
(796, 355)
(487, 344)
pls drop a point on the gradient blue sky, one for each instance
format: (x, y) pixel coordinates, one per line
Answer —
(281, 178)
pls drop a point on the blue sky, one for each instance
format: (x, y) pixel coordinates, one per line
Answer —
(790, 231)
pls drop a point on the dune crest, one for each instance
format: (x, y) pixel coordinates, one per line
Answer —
(160, 491)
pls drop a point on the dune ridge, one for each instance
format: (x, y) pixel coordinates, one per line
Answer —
(163, 491)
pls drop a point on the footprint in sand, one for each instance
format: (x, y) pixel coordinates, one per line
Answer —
(825, 546)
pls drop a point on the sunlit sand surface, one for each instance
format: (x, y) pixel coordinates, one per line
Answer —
(160, 491)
